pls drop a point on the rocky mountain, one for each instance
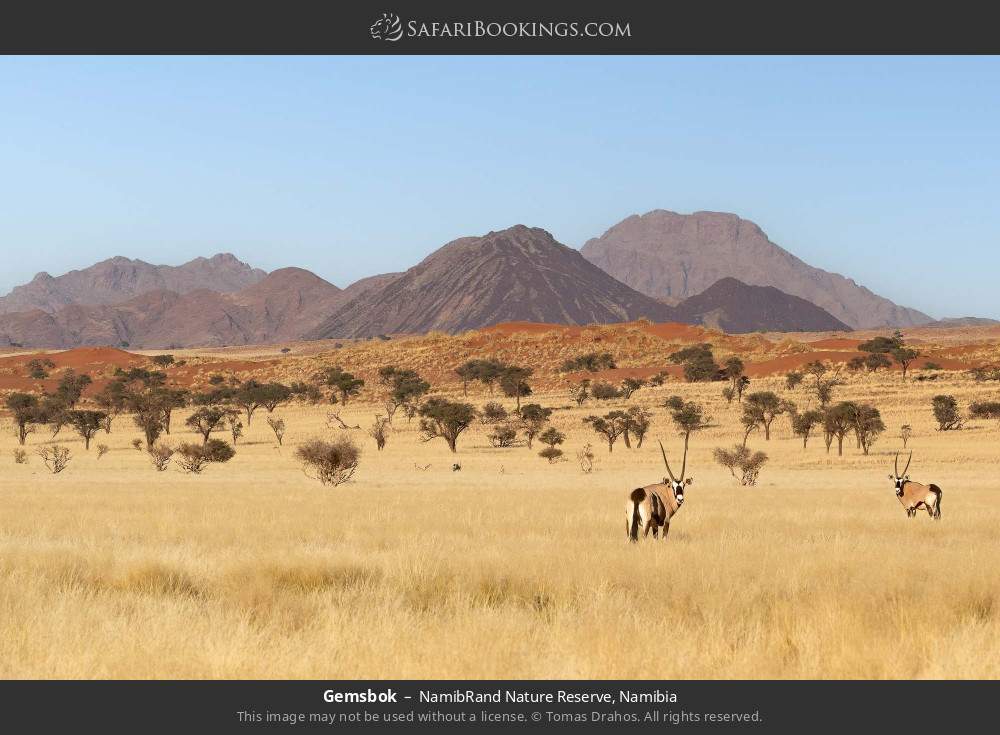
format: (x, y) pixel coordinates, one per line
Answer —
(117, 280)
(371, 283)
(964, 321)
(672, 256)
(517, 274)
(735, 307)
(282, 307)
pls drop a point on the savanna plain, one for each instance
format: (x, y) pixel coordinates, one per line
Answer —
(511, 566)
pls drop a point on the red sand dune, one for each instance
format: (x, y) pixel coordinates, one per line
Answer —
(781, 365)
(835, 343)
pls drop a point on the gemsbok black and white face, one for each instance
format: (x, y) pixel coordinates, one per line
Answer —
(678, 487)
(676, 484)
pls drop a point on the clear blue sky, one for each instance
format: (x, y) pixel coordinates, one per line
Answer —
(883, 169)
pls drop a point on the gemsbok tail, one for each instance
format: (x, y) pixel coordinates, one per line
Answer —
(937, 506)
(633, 534)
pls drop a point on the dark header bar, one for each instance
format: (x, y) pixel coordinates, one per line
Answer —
(516, 706)
(510, 27)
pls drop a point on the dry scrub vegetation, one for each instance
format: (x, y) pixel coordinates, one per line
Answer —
(513, 566)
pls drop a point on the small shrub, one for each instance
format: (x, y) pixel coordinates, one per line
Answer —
(160, 455)
(493, 413)
(552, 454)
(905, 432)
(931, 366)
(946, 413)
(235, 425)
(586, 459)
(278, 427)
(332, 463)
(102, 449)
(503, 435)
(604, 392)
(741, 458)
(193, 458)
(163, 360)
(591, 362)
(20, 456)
(793, 379)
(55, 458)
(137, 445)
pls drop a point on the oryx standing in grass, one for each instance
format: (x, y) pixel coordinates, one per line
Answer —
(653, 506)
(913, 495)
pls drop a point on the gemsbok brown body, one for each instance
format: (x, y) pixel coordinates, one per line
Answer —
(914, 495)
(651, 507)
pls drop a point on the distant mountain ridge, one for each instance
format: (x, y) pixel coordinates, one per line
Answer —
(674, 256)
(517, 274)
(281, 307)
(119, 279)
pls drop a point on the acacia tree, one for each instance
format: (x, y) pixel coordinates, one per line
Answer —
(445, 419)
(171, 398)
(533, 420)
(86, 424)
(342, 382)
(24, 409)
(761, 408)
(824, 383)
(206, 420)
(803, 424)
(611, 425)
(734, 371)
(404, 388)
(868, 425)
(111, 400)
(514, 383)
(876, 361)
(630, 386)
(904, 356)
(837, 422)
(71, 387)
(551, 437)
(637, 421)
(248, 397)
(486, 372)
(688, 417)
(697, 361)
(273, 395)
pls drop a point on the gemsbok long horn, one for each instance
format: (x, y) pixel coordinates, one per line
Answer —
(669, 472)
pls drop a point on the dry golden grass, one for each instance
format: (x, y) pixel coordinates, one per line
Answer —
(511, 567)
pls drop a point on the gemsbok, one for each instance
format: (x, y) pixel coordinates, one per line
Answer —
(913, 495)
(653, 506)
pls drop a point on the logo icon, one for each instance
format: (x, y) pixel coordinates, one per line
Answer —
(387, 28)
